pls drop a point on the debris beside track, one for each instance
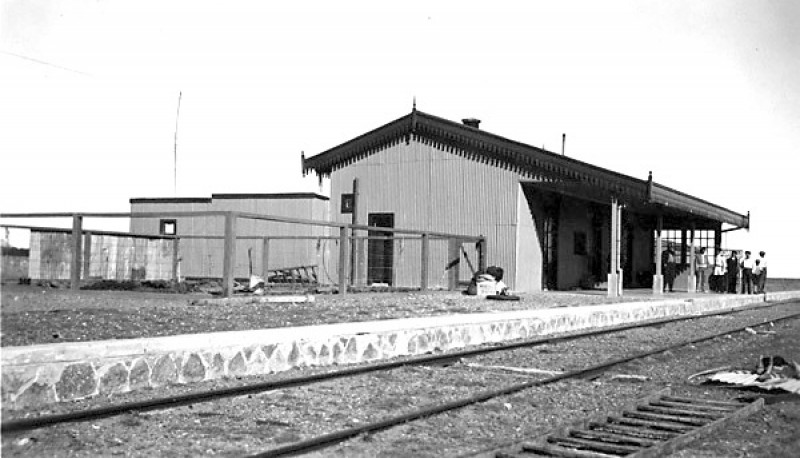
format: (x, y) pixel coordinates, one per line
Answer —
(771, 373)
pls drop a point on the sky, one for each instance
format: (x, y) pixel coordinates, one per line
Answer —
(703, 93)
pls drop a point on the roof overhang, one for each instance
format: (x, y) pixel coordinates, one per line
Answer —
(672, 199)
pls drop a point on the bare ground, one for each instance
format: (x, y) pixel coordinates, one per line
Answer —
(32, 314)
(36, 315)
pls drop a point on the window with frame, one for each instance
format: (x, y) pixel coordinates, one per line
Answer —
(702, 239)
(168, 227)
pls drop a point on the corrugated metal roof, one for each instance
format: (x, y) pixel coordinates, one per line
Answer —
(530, 162)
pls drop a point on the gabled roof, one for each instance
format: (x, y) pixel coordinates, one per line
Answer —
(530, 162)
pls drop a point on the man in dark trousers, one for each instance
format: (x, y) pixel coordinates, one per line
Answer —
(747, 273)
(733, 272)
(762, 277)
(668, 265)
(701, 269)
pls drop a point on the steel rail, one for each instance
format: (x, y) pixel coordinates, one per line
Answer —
(24, 424)
(335, 437)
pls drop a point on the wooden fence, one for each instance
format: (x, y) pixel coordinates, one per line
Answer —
(78, 253)
(105, 256)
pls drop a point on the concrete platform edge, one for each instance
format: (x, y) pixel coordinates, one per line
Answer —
(41, 374)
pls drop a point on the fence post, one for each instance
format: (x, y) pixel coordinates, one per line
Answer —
(453, 263)
(343, 255)
(265, 260)
(175, 259)
(87, 255)
(425, 260)
(482, 254)
(229, 255)
(77, 239)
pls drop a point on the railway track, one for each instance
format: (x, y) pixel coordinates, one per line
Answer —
(321, 441)
(338, 436)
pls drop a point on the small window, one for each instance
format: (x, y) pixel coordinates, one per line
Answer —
(348, 203)
(580, 243)
(168, 227)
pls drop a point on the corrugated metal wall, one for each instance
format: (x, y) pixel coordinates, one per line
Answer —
(429, 189)
(203, 258)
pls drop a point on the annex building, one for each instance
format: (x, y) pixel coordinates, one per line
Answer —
(200, 235)
(551, 221)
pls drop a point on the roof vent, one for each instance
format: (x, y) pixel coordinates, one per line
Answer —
(472, 122)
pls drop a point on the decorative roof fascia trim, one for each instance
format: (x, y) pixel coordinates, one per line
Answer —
(530, 161)
(673, 198)
(359, 147)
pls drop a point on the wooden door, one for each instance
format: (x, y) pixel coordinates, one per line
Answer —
(380, 253)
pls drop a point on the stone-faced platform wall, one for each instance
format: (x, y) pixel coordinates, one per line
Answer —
(42, 374)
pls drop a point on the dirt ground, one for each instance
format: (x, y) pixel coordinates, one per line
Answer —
(31, 314)
(36, 315)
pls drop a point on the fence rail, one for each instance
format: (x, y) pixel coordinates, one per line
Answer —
(358, 260)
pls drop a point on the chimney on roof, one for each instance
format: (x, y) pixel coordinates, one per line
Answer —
(472, 122)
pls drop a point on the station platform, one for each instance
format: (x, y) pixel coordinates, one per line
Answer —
(37, 375)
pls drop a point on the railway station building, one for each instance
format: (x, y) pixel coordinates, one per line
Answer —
(552, 222)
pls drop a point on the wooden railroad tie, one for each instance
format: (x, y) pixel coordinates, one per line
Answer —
(654, 426)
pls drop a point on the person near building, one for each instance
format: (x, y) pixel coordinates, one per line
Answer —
(747, 265)
(762, 276)
(700, 270)
(718, 278)
(668, 264)
(732, 268)
(756, 275)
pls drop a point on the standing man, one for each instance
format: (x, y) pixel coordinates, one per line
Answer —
(762, 278)
(747, 273)
(668, 262)
(732, 266)
(719, 285)
(701, 266)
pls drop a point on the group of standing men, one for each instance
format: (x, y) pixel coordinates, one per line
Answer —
(727, 270)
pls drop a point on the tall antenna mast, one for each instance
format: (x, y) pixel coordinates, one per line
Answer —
(175, 150)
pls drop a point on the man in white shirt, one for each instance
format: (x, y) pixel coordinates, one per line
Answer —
(719, 285)
(701, 266)
(747, 273)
